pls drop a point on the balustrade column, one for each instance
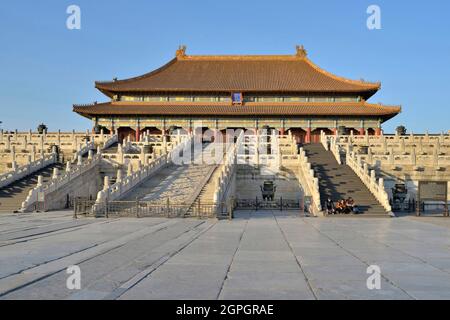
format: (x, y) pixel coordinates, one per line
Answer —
(308, 135)
(138, 134)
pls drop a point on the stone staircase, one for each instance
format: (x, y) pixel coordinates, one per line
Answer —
(12, 196)
(178, 183)
(206, 194)
(340, 182)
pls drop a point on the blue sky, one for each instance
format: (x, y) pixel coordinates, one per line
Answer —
(45, 68)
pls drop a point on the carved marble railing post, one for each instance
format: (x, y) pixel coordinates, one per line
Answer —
(420, 146)
(40, 181)
(8, 143)
(413, 157)
(436, 157)
(33, 153)
(55, 174)
(59, 138)
(164, 144)
(385, 145)
(119, 176)
(120, 153)
(369, 157)
(142, 155)
(106, 183)
(391, 157)
(90, 155)
(13, 153)
(41, 144)
(130, 169)
(402, 146)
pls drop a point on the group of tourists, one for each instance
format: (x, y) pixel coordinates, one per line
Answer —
(342, 206)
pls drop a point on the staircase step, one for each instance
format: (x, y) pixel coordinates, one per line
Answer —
(12, 196)
(340, 182)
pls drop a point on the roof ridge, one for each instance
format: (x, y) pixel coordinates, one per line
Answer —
(241, 57)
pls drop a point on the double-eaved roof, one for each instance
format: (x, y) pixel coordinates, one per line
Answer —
(277, 74)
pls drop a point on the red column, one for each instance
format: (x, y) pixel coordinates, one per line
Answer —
(282, 131)
(308, 135)
(138, 134)
(335, 130)
(378, 131)
(362, 131)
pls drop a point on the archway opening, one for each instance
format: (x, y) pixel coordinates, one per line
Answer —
(371, 131)
(350, 131)
(299, 134)
(315, 134)
(151, 131)
(124, 132)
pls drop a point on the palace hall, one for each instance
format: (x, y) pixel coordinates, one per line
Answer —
(288, 93)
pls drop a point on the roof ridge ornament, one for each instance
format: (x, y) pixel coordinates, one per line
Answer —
(301, 51)
(181, 52)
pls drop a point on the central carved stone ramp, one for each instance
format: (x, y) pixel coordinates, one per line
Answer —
(206, 194)
(12, 196)
(178, 183)
(112, 148)
(340, 182)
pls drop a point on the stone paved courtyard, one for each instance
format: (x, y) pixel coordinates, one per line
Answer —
(263, 255)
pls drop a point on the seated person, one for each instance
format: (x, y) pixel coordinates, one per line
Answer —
(345, 208)
(350, 203)
(340, 207)
(329, 205)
